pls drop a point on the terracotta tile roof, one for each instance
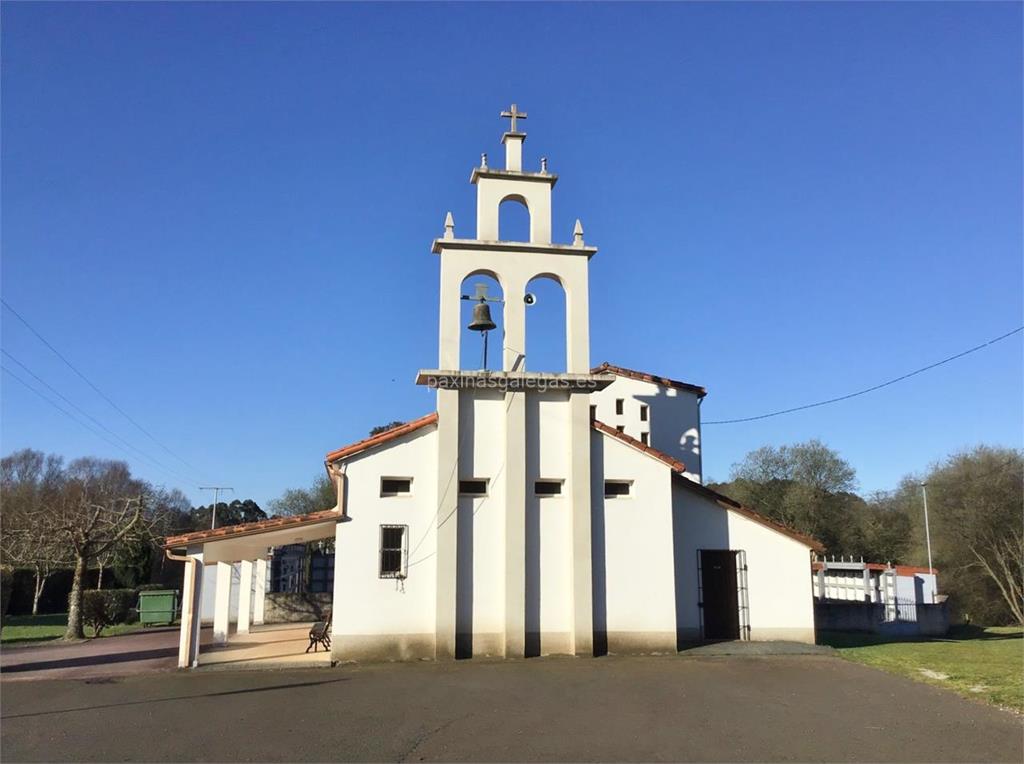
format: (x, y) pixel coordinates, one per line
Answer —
(909, 570)
(608, 368)
(753, 514)
(248, 529)
(678, 468)
(382, 437)
(674, 464)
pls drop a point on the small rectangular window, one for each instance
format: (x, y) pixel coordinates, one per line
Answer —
(643, 412)
(548, 487)
(645, 438)
(392, 486)
(394, 550)
(616, 488)
(473, 487)
(621, 428)
(619, 406)
(593, 413)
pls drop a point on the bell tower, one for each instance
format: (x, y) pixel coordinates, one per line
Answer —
(511, 428)
(514, 264)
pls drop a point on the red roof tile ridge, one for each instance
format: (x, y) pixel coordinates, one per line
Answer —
(644, 376)
(727, 503)
(753, 514)
(382, 437)
(629, 440)
(272, 523)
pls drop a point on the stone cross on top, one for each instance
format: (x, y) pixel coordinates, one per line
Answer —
(514, 114)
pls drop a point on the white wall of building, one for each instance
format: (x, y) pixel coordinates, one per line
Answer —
(548, 526)
(378, 617)
(778, 585)
(919, 588)
(673, 417)
(480, 609)
(209, 592)
(634, 564)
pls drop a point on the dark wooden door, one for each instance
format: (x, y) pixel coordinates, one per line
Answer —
(719, 594)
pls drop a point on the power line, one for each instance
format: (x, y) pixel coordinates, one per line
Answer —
(67, 413)
(152, 459)
(89, 382)
(874, 387)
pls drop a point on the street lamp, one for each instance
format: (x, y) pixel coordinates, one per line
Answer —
(928, 534)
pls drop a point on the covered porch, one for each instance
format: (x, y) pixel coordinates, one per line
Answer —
(275, 645)
(251, 643)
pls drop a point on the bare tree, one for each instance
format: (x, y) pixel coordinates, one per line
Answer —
(30, 483)
(100, 506)
(975, 499)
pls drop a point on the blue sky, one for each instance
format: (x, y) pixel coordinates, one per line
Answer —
(222, 214)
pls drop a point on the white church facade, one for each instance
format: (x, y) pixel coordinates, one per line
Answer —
(533, 512)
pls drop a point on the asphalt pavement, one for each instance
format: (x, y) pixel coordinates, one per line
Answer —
(668, 708)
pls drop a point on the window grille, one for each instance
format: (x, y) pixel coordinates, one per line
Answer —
(742, 595)
(394, 551)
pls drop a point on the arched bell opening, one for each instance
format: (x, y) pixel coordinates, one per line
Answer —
(482, 320)
(513, 219)
(546, 338)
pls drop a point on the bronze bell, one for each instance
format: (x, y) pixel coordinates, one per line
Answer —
(482, 321)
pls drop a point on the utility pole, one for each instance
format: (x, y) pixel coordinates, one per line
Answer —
(928, 535)
(216, 492)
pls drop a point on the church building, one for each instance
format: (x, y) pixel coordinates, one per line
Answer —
(536, 512)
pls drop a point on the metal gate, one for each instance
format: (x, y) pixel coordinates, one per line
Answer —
(742, 597)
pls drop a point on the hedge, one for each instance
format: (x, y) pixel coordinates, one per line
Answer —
(104, 607)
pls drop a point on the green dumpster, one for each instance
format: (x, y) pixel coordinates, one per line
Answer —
(158, 606)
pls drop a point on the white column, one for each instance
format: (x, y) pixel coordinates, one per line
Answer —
(191, 612)
(447, 523)
(579, 482)
(244, 596)
(260, 595)
(515, 524)
(577, 320)
(222, 603)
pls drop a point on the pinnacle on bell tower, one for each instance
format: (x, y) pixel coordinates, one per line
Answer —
(513, 140)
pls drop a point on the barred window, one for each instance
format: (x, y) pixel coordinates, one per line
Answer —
(394, 550)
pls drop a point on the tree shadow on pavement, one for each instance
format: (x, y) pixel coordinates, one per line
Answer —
(288, 686)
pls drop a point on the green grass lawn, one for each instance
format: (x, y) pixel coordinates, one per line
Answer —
(984, 663)
(41, 628)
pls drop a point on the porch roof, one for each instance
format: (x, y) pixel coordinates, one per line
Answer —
(251, 540)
